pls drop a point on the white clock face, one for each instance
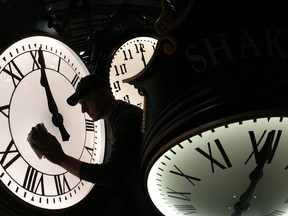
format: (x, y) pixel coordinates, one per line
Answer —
(242, 165)
(24, 103)
(129, 59)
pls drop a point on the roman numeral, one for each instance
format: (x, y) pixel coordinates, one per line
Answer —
(89, 125)
(35, 65)
(13, 152)
(61, 184)
(181, 174)
(34, 181)
(181, 195)
(262, 140)
(276, 213)
(12, 70)
(214, 161)
(59, 64)
(186, 209)
(75, 80)
(89, 150)
(121, 69)
(5, 107)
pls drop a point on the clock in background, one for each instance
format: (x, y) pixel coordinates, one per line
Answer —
(129, 59)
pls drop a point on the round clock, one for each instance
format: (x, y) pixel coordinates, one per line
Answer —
(235, 166)
(128, 60)
(37, 75)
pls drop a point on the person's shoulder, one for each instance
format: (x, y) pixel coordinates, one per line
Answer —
(128, 109)
(127, 105)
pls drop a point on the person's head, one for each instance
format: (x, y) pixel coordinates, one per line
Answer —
(95, 97)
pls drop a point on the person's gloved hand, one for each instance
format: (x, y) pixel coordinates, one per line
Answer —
(44, 143)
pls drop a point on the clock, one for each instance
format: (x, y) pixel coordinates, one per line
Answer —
(130, 58)
(37, 75)
(232, 166)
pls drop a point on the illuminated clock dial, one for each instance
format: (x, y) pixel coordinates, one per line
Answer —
(24, 102)
(128, 60)
(229, 167)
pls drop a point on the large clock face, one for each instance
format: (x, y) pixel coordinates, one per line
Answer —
(232, 169)
(128, 60)
(24, 103)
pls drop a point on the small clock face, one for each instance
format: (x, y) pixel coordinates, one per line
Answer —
(239, 168)
(24, 103)
(129, 59)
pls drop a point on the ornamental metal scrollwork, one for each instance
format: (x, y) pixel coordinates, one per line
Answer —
(172, 14)
(168, 44)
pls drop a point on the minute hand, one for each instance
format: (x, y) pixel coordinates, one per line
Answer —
(142, 54)
(264, 155)
(57, 118)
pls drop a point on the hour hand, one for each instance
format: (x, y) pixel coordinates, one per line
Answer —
(263, 156)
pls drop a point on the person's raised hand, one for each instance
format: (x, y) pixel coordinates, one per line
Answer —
(45, 144)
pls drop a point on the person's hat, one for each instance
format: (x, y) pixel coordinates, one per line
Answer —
(85, 85)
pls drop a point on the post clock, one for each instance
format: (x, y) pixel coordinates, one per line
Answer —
(217, 121)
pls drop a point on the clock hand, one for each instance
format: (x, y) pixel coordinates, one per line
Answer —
(264, 155)
(142, 54)
(57, 118)
(245, 198)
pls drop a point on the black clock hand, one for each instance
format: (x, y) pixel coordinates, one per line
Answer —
(245, 198)
(57, 118)
(264, 155)
(142, 54)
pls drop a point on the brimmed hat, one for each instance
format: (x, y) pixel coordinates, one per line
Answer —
(85, 85)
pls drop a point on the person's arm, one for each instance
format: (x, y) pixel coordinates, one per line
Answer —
(46, 144)
(71, 164)
(50, 148)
